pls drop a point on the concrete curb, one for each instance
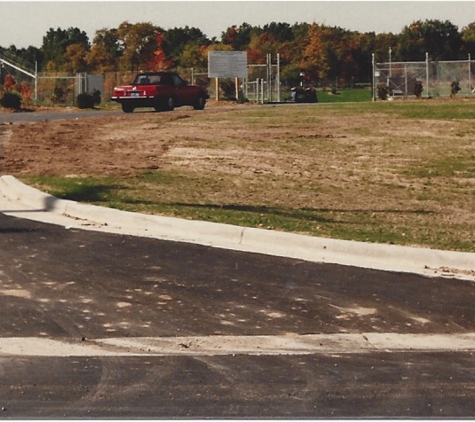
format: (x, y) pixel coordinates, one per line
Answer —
(422, 261)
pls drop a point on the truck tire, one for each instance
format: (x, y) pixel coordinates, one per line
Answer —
(127, 108)
(200, 103)
(170, 104)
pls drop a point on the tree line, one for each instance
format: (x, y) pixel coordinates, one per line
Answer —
(318, 51)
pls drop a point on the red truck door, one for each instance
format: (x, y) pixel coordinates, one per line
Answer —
(185, 94)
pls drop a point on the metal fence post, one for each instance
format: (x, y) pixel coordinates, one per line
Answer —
(36, 82)
(374, 79)
(470, 74)
(427, 73)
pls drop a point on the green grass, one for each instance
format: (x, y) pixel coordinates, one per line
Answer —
(345, 95)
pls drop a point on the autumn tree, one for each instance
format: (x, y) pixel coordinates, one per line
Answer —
(195, 56)
(14, 93)
(105, 51)
(292, 53)
(322, 52)
(138, 43)
(317, 54)
(75, 59)
(160, 60)
(261, 45)
(355, 58)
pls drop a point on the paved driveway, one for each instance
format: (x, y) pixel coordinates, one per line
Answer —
(105, 325)
(40, 116)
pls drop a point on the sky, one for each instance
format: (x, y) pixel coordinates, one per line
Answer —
(24, 23)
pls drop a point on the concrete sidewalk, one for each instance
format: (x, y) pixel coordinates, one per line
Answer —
(20, 200)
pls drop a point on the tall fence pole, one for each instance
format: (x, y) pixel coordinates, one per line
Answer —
(374, 79)
(36, 83)
(427, 74)
(470, 74)
(269, 77)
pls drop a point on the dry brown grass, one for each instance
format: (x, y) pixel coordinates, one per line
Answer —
(398, 173)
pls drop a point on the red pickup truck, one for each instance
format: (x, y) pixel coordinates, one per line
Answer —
(161, 90)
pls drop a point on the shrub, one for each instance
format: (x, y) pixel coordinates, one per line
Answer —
(242, 98)
(454, 88)
(87, 100)
(418, 88)
(11, 99)
(97, 97)
(228, 89)
(383, 91)
(58, 95)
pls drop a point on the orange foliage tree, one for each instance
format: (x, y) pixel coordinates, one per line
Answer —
(160, 60)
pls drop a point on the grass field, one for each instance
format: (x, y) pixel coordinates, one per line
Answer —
(345, 95)
(399, 172)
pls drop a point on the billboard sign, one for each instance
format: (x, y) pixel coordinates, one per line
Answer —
(227, 64)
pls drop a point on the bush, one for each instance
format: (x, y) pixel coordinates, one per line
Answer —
(228, 89)
(242, 98)
(97, 97)
(418, 88)
(87, 100)
(11, 99)
(454, 88)
(383, 91)
(58, 95)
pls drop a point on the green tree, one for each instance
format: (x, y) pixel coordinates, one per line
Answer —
(468, 39)
(26, 57)
(176, 40)
(239, 37)
(290, 75)
(281, 31)
(56, 42)
(379, 44)
(441, 40)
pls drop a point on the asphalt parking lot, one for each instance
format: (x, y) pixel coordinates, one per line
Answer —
(85, 316)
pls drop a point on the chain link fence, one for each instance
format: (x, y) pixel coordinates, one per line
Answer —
(438, 79)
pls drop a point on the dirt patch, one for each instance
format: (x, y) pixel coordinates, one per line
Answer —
(108, 146)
